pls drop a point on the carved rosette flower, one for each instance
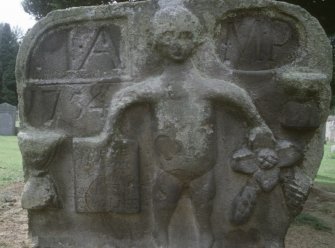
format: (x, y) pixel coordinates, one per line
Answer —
(263, 165)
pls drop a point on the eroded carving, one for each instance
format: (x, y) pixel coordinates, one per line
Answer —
(185, 141)
(296, 186)
(38, 150)
(211, 141)
(79, 105)
(296, 115)
(264, 162)
(256, 41)
(86, 51)
(107, 180)
(42, 107)
(305, 88)
(99, 46)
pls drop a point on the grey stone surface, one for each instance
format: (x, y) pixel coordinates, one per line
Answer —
(171, 123)
(7, 119)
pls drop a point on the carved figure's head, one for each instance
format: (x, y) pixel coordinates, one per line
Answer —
(176, 33)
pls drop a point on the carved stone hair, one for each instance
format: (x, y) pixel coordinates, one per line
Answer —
(178, 19)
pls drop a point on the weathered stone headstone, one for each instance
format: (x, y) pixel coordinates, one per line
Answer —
(7, 119)
(171, 123)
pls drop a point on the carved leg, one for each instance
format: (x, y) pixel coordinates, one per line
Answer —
(202, 191)
(166, 193)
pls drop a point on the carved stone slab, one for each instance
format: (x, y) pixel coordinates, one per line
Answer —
(171, 123)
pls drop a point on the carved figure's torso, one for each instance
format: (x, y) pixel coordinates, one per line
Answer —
(185, 142)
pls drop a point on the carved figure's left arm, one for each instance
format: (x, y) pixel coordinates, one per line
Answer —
(146, 92)
(237, 98)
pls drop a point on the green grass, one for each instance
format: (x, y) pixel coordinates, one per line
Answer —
(11, 164)
(10, 161)
(326, 173)
(310, 220)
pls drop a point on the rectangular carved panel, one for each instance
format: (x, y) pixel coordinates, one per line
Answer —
(86, 51)
(106, 180)
(257, 41)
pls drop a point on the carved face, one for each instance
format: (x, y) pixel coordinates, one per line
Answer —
(176, 33)
(176, 45)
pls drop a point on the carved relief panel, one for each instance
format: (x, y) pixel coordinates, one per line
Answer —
(160, 124)
(72, 72)
(76, 51)
(257, 40)
(107, 182)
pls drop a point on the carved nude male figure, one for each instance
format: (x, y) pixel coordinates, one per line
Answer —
(185, 139)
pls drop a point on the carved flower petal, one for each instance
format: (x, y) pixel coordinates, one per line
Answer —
(288, 154)
(261, 137)
(245, 161)
(267, 179)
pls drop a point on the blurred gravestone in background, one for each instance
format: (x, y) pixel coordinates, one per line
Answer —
(171, 123)
(7, 119)
(330, 129)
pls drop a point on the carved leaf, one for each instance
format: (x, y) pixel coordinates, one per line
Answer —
(245, 161)
(296, 190)
(288, 154)
(243, 205)
(261, 137)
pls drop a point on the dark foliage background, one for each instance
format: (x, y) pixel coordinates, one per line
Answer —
(8, 50)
